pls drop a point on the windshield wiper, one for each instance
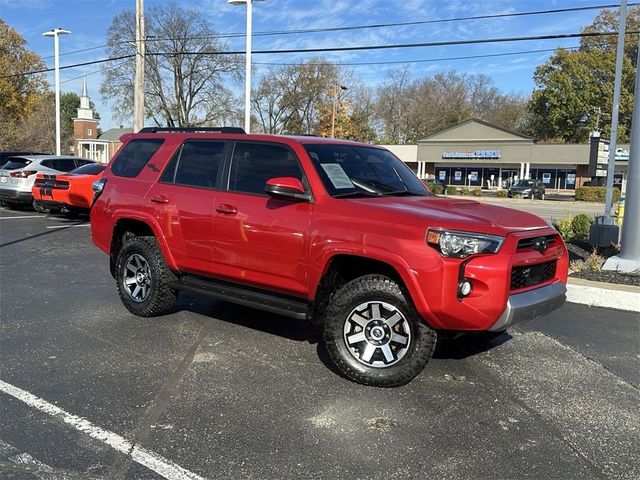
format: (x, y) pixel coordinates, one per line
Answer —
(400, 192)
(357, 194)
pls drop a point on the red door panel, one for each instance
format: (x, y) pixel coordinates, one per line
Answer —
(262, 240)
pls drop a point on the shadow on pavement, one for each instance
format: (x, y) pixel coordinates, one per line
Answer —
(466, 345)
(455, 347)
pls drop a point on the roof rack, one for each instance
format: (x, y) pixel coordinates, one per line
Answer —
(192, 129)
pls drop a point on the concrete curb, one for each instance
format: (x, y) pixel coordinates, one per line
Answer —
(599, 294)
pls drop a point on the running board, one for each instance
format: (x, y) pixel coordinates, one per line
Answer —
(270, 302)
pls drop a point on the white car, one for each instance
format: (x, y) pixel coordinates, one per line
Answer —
(18, 175)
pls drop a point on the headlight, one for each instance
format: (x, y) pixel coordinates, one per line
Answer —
(462, 244)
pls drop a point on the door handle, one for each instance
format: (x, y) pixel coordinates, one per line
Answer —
(226, 209)
(159, 199)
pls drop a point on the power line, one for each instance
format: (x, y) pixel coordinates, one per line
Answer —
(441, 59)
(345, 49)
(379, 25)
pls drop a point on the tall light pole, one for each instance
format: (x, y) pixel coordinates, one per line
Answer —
(247, 78)
(629, 258)
(336, 88)
(611, 167)
(55, 33)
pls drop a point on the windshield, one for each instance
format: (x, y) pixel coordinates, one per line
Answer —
(524, 183)
(353, 170)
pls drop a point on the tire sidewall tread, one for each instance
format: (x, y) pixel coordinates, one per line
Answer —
(376, 288)
(161, 297)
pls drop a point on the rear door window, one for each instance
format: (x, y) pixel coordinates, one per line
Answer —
(255, 163)
(134, 156)
(197, 163)
(59, 164)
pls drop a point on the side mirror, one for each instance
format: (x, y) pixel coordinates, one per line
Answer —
(287, 187)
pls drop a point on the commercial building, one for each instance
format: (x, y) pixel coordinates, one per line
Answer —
(476, 153)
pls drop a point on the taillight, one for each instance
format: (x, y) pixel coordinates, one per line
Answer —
(98, 187)
(23, 173)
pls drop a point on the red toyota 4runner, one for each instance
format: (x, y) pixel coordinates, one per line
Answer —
(337, 232)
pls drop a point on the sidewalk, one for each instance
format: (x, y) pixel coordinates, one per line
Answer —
(599, 294)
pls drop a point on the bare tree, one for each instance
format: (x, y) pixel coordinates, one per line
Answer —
(186, 74)
(288, 99)
(410, 109)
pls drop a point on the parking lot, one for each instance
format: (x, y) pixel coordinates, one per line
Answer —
(213, 390)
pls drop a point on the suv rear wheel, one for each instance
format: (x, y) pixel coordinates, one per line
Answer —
(143, 278)
(374, 335)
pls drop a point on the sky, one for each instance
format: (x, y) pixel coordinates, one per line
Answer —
(88, 21)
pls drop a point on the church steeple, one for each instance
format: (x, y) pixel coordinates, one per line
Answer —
(85, 112)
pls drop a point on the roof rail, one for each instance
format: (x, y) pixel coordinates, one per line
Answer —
(192, 129)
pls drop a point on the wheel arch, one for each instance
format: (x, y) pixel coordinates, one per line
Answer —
(341, 268)
(125, 227)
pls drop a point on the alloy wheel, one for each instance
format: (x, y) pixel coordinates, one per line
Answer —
(136, 277)
(377, 334)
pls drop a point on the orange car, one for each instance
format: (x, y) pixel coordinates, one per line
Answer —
(66, 191)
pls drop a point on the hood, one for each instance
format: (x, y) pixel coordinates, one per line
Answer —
(456, 214)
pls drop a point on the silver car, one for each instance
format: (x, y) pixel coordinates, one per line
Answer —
(18, 175)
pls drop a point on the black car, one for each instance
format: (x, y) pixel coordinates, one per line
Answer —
(527, 189)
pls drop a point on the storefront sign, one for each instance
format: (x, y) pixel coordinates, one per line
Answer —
(546, 178)
(442, 175)
(571, 178)
(475, 154)
(474, 176)
(457, 175)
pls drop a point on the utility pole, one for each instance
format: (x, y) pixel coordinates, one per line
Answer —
(629, 258)
(613, 142)
(138, 94)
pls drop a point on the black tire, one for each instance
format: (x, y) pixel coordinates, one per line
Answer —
(158, 297)
(39, 208)
(408, 360)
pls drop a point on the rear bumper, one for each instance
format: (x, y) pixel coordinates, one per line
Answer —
(525, 306)
(15, 196)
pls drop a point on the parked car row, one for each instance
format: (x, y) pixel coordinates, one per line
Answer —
(48, 182)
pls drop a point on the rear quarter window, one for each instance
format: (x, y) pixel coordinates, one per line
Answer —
(134, 156)
(16, 163)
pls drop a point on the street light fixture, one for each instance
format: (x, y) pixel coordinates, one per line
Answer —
(55, 33)
(247, 80)
(336, 86)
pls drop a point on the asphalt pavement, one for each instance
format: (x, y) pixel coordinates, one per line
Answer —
(213, 390)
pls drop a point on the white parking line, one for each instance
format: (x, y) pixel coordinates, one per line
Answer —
(21, 216)
(153, 461)
(70, 226)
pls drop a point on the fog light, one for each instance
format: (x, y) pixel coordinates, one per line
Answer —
(464, 288)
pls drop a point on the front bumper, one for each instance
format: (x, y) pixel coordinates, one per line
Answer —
(15, 196)
(525, 306)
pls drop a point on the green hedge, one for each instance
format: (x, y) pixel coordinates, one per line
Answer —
(436, 188)
(452, 190)
(501, 193)
(595, 194)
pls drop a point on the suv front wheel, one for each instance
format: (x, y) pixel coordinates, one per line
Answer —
(374, 335)
(143, 278)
